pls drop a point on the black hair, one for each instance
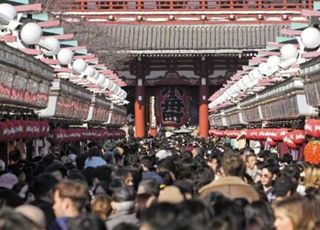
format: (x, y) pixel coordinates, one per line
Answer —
(86, 222)
(43, 184)
(150, 186)
(160, 216)
(284, 186)
(148, 162)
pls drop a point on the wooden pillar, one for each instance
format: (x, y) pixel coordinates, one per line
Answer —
(139, 104)
(203, 100)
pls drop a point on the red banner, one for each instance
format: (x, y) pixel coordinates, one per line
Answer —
(60, 135)
(23, 129)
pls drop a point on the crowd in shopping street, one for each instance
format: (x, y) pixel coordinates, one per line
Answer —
(174, 183)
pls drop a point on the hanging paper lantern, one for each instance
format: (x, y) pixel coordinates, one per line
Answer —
(31, 33)
(310, 38)
(297, 136)
(289, 51)
(280, 134)
(8, 11)
(312, 152)
(50, 46)
(65, 56)
(312, 127)
(271, 142)
(289, 142)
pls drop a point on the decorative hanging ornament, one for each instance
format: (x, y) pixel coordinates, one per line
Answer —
(312, 152)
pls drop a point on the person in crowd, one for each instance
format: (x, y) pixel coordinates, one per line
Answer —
(252, 169)
(214, 158)
(231, 183)
(86, 222)
(95, 158)
(293, 213)
(311, 178)
(269, 173)
(70, 197)
(34, 214)
(122, 206)
(259, 215)
(42, 190)
(12, 220)
(101, 206)
(57, 170)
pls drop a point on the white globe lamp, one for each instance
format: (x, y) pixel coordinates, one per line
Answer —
(101, 80)
(31, 33)
(50, 46)
(288, 52)
(256, 74)
(273, 61)
(246, 80)
(65, 56)
(263, 68)
(79, 66)
(114, 88)
(241, 85)
(106, 83)
(310, 37)
(7, 12)
(89, 71)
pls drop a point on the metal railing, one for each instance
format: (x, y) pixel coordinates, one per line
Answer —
(187, 5)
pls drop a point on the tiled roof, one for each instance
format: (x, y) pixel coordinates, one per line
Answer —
(192, 37)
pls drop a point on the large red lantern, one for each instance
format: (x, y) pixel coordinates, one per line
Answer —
(312, 152)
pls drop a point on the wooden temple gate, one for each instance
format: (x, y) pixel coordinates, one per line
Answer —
(183, 51)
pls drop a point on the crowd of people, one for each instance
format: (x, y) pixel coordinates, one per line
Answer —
(176, 183)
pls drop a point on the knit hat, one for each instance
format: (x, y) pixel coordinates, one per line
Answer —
(8, 180)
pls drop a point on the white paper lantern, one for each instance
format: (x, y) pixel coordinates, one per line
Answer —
(124, 94)
(8, 11)
(79, 65)
(50, 46)
(241, 85)
(310, 38)
(65, 56)
(273, 61)
(114, 88)
(257, 74)
(246, 80)
(90, 71)
(253, 83)
(119, 91)
(263, 68)
(289, 51)
(31, 33)
(101, 80)
(106, 83)
(211, 105)
(110, 85)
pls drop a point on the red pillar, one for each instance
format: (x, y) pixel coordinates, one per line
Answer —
(139, 119)
(139, 109)
(203, 98)
(203, 109)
